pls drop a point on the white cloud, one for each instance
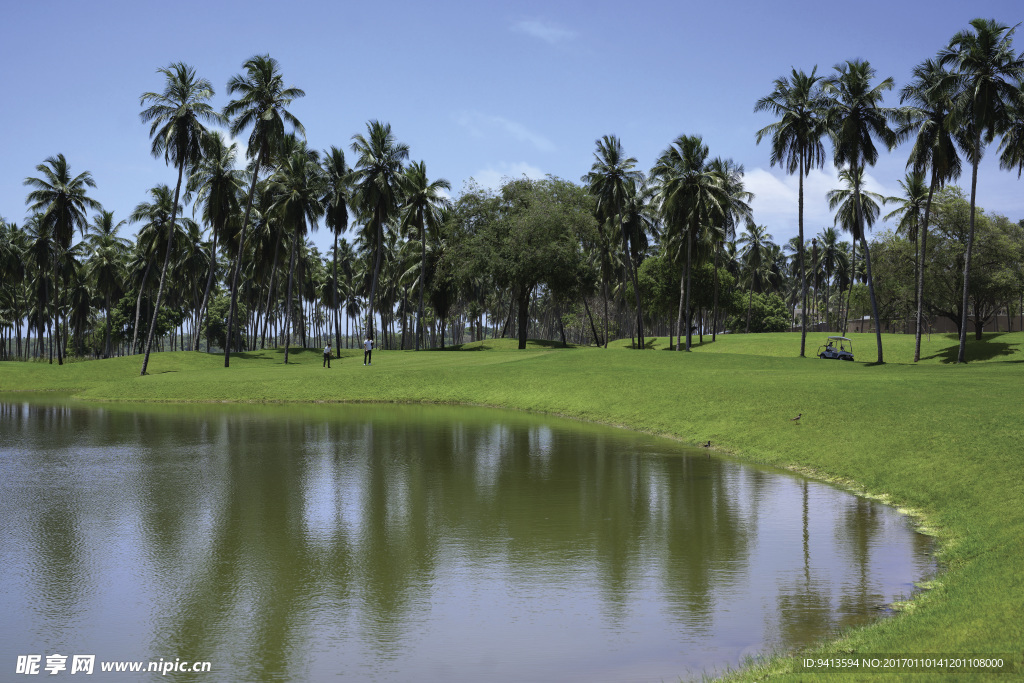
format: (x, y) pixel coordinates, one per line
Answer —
(480, 125)
(546, 31)
(493, 176)
(776, 198)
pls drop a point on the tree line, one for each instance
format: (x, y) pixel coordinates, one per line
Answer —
(672, 251)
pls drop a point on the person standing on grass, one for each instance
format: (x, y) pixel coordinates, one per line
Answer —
(327, 356)
(368, 351)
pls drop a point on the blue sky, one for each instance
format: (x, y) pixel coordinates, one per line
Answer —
(476, 89)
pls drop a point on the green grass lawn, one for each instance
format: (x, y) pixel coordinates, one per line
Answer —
(939, 439)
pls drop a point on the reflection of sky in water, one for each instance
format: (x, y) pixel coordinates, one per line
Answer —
(431, 542)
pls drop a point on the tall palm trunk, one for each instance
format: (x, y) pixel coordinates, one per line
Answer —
(689, 282)
(606, 314)
(871, 281)
(849, 295)
(334, 295)
(288, 301)
(138, 304)
(423, 276)
(163, 271)
(106, 321)
(379, 248)
(919, 323)
(800, 257)
(209, 284)
(714, 306)
(636, 286)
(238, 256)
(56, 309)
(962, 353)
(270, 289)
(750, 303)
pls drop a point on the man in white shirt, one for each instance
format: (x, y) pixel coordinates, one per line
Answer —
(368, 351)
(327, 356)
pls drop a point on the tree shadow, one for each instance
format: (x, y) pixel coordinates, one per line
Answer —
(985, 349)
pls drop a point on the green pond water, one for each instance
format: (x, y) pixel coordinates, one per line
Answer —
(416, 543)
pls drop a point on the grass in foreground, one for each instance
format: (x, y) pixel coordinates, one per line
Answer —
(935, 438)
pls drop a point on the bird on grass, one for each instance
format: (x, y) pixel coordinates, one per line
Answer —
(708, 446)
(797, 418)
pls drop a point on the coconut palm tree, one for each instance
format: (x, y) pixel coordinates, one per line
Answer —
(297, 187)
(855, 208)
(336, 199)
(108, 253)
(930, 96)
(378, 184)
(796, 144)
(261, 104)
(756, 260)
(987, 71)
(217, 186)
(612, 178)
(424, 202)
(60, 201)
(737, 210)
(856, 118)
(176, 117)
(690, 195)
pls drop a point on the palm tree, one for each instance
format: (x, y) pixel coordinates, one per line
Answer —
(297, 187)
(612, 177)
(796, 144)
(338, 176)
(856, 118)
(61, 202)
(261, 104)
(737, 210)
(690, 195)
(930, 95)
(756, 260)
(217, 185)
(378, 187)
(178, 135)
(854, 209)
(987, 70)
(424, 202)
(108, 254)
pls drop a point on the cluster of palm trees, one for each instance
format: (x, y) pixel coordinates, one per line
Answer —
(256, 267)
(962, 99)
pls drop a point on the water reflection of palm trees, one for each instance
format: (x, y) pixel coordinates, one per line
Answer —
(261, 532)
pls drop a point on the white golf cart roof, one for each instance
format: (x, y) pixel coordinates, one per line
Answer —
(843, 338)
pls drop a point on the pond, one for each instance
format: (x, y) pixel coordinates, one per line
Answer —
(427, 543)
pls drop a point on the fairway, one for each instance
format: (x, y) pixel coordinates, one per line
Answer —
(937, 439)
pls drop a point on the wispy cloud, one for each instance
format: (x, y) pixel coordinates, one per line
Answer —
(492, 176)
(479, 125)
(546, 31)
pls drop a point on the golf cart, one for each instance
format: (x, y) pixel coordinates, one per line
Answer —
(837, 348)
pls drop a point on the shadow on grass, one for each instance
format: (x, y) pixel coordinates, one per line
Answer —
(507, 343)
(985, 349)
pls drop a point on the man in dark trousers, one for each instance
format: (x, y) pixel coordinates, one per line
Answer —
(368, 351)
(327, 355)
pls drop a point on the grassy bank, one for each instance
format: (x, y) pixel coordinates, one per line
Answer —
(938, 438)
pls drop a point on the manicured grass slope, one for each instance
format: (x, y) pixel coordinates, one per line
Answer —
(937, 438)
